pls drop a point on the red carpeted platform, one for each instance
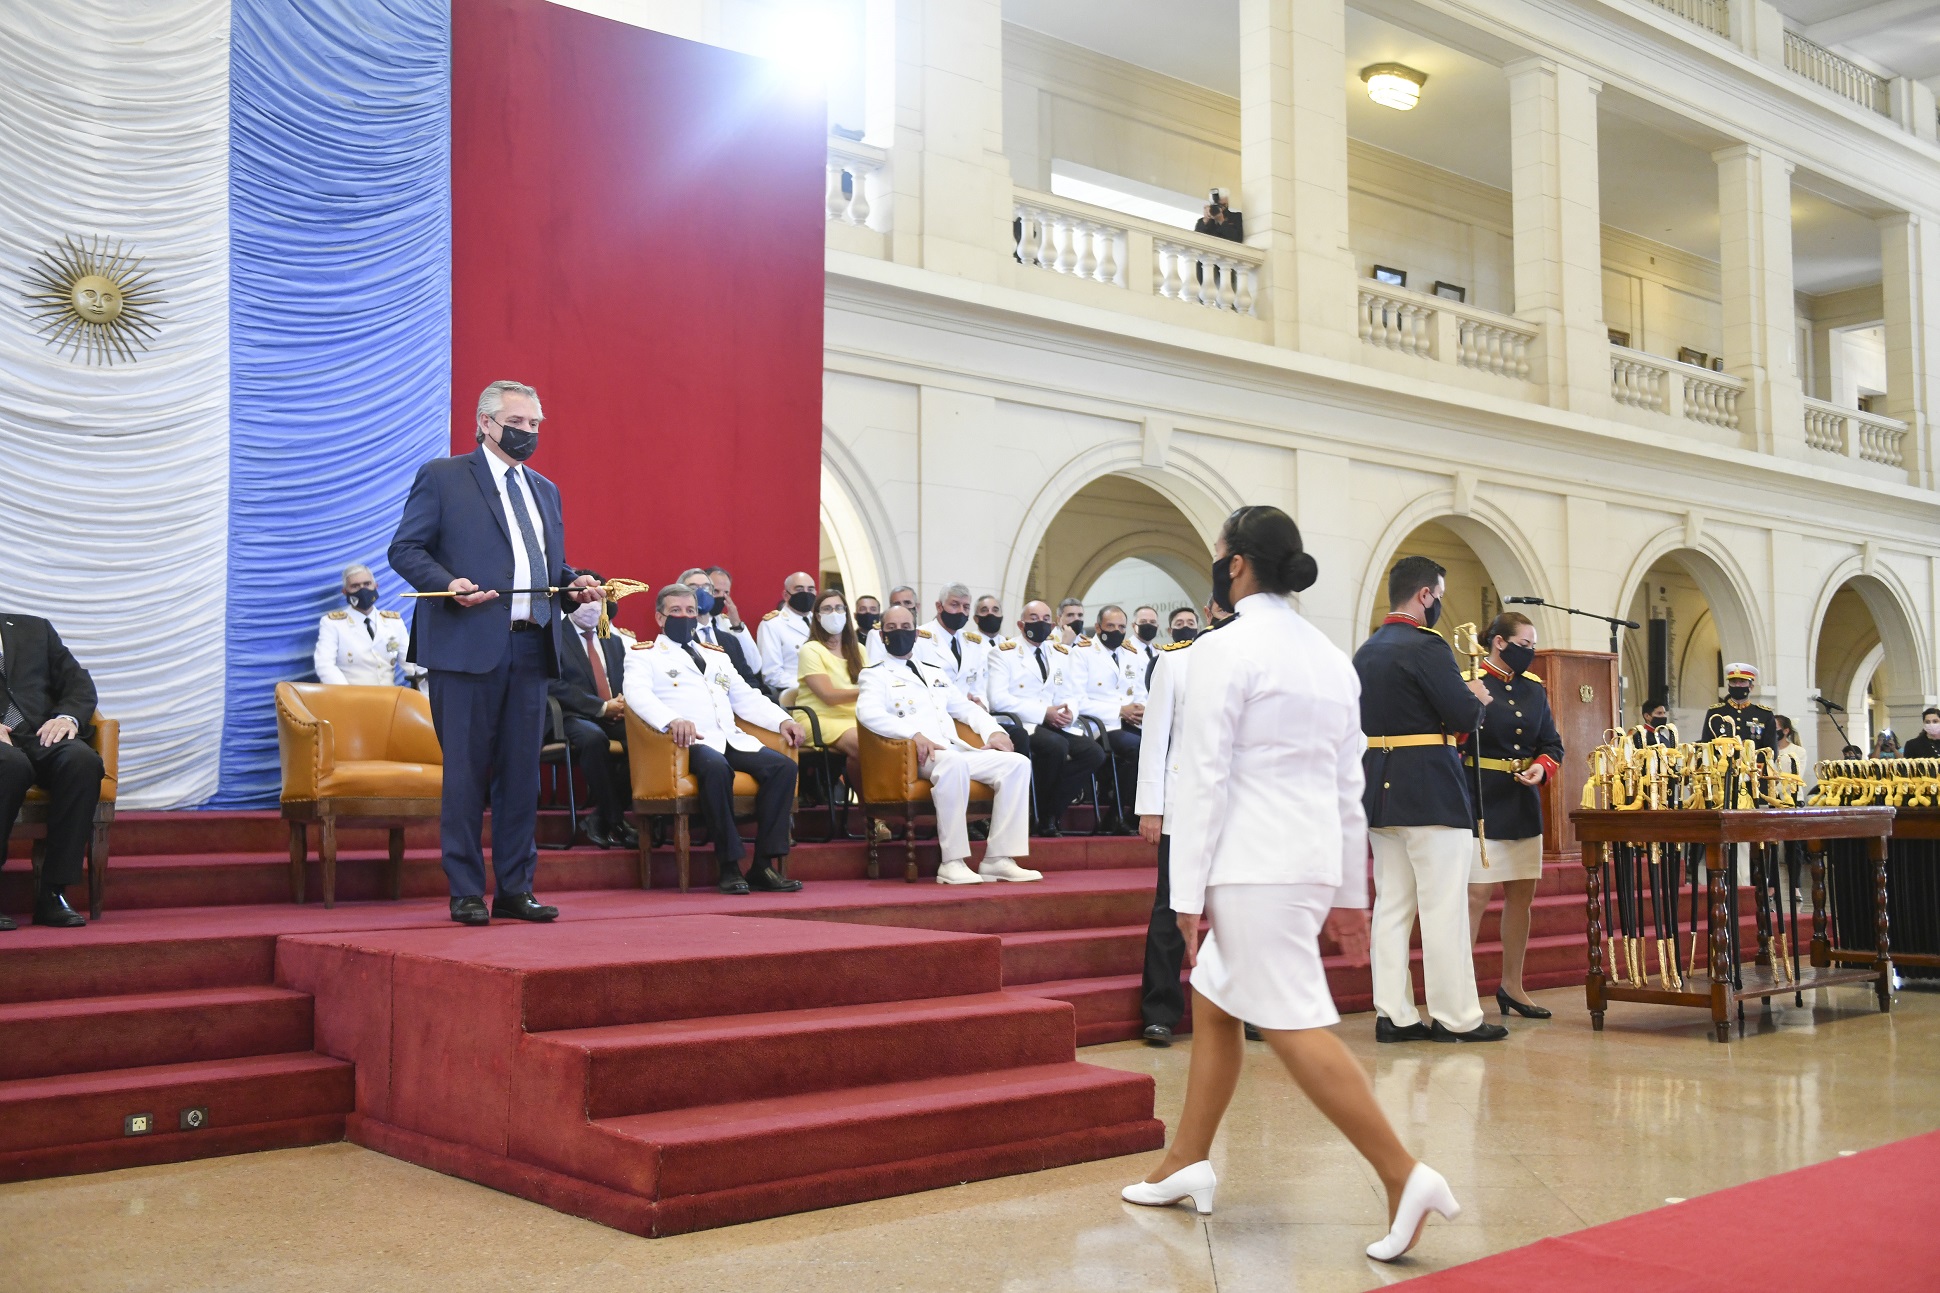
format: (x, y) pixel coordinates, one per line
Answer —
(1860, 1223)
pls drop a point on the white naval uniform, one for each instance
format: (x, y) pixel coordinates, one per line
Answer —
(1158, 755)
(1017, 687)
(780, 638)
(663, 684)
(968, 676)
(901, 698)
(364, 650)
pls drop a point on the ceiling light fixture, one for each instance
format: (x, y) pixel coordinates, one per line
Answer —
(1394, 86)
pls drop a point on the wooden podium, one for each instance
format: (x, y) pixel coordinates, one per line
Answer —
(1582, 689)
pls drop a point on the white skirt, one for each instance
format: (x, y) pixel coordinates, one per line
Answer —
(1261, 960)
(1508, 860)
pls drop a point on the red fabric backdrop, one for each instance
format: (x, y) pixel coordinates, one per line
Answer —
(637, 231)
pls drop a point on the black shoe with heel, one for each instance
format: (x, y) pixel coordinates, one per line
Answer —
(1508, 1005)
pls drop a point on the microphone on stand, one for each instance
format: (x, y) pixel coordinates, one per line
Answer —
(1830, 706)
(1525, 601)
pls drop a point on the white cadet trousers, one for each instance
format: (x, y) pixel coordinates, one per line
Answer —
(950, 772)
(1423, 870)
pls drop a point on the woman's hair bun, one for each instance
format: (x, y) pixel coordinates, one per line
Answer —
(1301, 571)
(1269, 539)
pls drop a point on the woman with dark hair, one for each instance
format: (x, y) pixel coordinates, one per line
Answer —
(1269, 841)
(827, 669)
(1520, 750)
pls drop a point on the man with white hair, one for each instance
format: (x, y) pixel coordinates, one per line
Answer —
(949, 643)
(359, 644)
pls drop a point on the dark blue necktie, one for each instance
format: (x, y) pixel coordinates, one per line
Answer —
(534, 556)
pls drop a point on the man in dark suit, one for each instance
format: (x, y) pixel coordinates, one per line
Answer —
(591, 674)
(46, 704)
(474, 524)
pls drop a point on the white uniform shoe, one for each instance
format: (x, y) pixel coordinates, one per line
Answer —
(957, 873)
(1005, 869)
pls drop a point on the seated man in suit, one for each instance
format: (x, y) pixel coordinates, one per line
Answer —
(694, 695)
(46, 708)
(910, 699)
(595, 716)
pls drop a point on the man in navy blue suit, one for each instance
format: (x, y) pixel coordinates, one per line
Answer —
(473, 524)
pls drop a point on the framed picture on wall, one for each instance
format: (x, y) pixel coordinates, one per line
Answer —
(1451, 291)
(1392, 277)
(1696, 358)
(1618, 338)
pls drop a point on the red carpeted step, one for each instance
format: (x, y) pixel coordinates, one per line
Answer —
(89, 964)
(729, 1146)
(1087, 899)
(86, 1108)
(82, 1035)
(645, 1068)
(1038, 955)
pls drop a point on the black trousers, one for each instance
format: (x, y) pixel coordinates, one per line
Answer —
(1161, 998)
(1124, 752)
(70, 772)
(774, 800)
(1062, 762)
(491, 726)
(606, 773)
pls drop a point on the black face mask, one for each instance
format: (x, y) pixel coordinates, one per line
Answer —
(681, 628)
(362, 598)
(1433, 614)
(1517, 656)
(517, 442)
(1113, 640)
(952, 620)
(1738, 691)
(866, 620)
(990, 625)
(1184, 633)
(1658, 720)
(1037, 630)
(899, 642)
(1222, 575)
(1147, 632)
(802, 602)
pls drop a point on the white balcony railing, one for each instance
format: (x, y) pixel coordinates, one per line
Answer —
(1849, 433)
(1712, 15)
(1226, 278)
(1434, 327)
(1641, 381)
(1070, 241)
(1081, 241)
(1842, 76)
(853, 169)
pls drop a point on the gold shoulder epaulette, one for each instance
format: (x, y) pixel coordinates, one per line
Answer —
(1082, 641)
(643, 646)
(1061, 647)
(1178, 646)
(1533, 677)
(713, 646)
(390, 615)
(922, 633)
(1006, 646)
(973, 637)
(770, 615)
(336, 615)
(628, 634)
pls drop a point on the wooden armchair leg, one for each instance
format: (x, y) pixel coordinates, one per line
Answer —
(397, 863)
(299, 857)
(909, 836)
(97, 869)
(327, 849)
(683, 846)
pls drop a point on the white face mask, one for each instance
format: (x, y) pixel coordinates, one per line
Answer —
(1932, 729)
(832, 621)
(587, 616)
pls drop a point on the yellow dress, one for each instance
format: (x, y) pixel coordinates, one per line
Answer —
(834, 719)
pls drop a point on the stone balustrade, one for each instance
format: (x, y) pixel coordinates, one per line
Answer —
(1683, 391)
(1434, 327)
(1083, 241)
(854, 179)
(1848, 433)
(1842, 76)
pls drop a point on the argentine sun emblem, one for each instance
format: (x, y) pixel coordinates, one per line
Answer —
(92, 300)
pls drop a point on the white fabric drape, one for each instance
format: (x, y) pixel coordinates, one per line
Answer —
(114, 121)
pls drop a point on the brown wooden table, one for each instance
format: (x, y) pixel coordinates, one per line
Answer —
(1914, 832)
(1599, 828)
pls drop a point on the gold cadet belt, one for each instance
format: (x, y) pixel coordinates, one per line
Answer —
(1399, 742)
(1501, 765)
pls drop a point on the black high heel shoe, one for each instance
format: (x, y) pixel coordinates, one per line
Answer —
(1509, 1005)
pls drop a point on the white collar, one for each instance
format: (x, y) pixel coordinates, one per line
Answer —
(500, 468)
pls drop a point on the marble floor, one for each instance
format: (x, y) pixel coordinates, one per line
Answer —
(1556, 1129)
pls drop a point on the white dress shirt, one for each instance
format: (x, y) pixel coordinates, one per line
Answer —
(361, 649)
(664, 684)
(522, 573)
(1270, 781)
(1158, 754)
(898, 701)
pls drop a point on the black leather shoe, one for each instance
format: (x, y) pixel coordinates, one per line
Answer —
(1385, 1031)
(1047, 830)
(979, 829)
(627, 836)
(1479, 1033)
(769, 880)
(1509, 1005)
(7, 923)
(1157, 1035)
(597, 836)
(470, 911)
(731, 882)
(522, 906)
(52, 909)
(1252, 1033)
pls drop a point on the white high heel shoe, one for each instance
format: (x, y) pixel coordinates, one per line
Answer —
(1424, 1193)
(1195, 1181)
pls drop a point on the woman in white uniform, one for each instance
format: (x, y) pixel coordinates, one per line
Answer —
(1269, 841)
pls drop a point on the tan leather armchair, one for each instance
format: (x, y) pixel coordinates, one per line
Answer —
(32, 822)
(893, 787)
(664, 787)
(354, 756)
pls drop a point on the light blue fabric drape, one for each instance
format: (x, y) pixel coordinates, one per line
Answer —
(340, 325)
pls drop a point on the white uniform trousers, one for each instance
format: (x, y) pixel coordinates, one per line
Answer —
(950, 772)
(1423, 870)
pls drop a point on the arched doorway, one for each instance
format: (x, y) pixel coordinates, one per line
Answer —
(857, 550)
(1118, 538)
(1695, 621)
(1866, 658)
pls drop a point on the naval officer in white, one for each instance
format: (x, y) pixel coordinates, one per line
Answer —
(360, 644)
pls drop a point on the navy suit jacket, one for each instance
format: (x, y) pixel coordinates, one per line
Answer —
(454, 527)
(574, 688)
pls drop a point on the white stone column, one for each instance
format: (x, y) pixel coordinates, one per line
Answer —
(1293, 168)
(1785, 678)
(949, 178)
(1557, 215)
(1755, 264)
(1910, 293)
